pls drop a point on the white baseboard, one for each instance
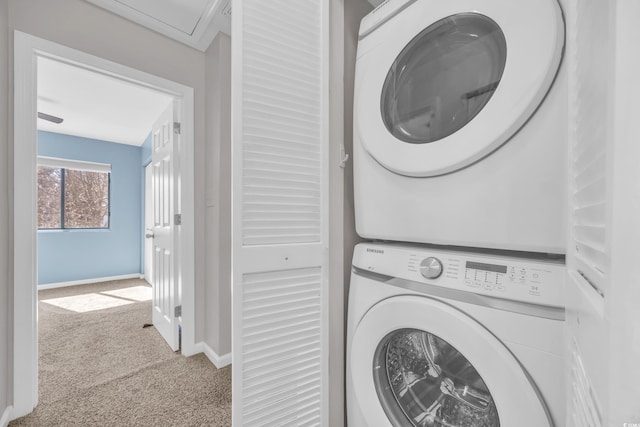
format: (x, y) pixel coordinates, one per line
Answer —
(218, 361)
(5, 416)
(89, 281)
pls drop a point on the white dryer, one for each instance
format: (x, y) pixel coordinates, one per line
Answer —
(460, 124)
(447, 338)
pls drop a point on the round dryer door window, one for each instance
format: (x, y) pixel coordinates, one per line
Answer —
(443, 78)
(422, 380)
(442, 84)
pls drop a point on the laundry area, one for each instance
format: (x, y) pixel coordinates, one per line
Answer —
(478, 296)
(361, 213)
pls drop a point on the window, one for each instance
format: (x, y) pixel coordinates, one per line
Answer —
(72, 194)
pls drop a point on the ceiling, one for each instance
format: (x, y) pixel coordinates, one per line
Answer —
(94, 105)
(192, 22)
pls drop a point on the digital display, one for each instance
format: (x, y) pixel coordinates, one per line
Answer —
(487, 267)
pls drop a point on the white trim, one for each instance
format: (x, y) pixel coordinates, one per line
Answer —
(25, 335)
(6, 416)
(55, 162)
(27, 49)
(88, 281)
(218, 361)
(203, 33)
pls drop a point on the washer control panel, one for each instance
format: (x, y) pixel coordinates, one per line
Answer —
(522, 279)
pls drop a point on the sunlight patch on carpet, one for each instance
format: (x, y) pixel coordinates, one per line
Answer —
(136, 293)
(86, 302)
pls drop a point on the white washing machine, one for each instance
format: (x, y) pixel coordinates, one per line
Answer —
(448, 338)
(460, 124)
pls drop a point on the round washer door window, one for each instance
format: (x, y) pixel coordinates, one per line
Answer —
(417, 361)
(443, 78)
(422, 380)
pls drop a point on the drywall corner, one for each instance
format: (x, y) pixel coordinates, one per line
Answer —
(218, 195)
(224, 276)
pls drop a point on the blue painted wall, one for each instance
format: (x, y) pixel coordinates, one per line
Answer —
(69, 255)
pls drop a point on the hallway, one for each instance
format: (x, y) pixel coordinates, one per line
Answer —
(98, 366)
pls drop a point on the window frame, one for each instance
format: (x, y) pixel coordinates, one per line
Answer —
(77, 165)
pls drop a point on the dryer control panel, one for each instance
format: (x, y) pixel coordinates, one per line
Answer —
(536, 281)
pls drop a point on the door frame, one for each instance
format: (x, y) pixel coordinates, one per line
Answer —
(25, 304)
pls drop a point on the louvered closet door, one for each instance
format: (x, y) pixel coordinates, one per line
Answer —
(280, 215)
(590, 72)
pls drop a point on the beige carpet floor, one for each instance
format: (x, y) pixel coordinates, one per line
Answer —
(101, 368)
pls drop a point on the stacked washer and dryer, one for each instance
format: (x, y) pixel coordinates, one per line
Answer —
(456, 306)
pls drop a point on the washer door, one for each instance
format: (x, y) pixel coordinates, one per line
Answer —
(437, 97)
(416, 361)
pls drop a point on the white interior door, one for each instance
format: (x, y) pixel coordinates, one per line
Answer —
(165, 164)
(280, 226)
(148, 223)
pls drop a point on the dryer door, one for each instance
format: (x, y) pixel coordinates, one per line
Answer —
(435, 97)
(416, 361)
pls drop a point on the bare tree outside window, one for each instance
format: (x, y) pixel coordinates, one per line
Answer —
(86, 199)
(49, 197)
(69, 198)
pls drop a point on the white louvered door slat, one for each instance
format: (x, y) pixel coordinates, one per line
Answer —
(280, 212)
(589, 145)
(587, 254)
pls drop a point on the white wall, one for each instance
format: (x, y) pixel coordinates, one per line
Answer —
(5, 283)
(217, 331)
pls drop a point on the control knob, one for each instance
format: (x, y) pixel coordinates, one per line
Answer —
(431, 268)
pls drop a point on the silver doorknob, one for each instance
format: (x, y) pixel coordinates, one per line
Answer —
(149, 236)
(431, 268)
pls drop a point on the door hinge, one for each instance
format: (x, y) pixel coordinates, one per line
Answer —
(177, 311)
(176, 128)
(177, 219)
